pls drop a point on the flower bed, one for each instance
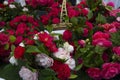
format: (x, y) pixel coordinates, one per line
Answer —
(31, 50)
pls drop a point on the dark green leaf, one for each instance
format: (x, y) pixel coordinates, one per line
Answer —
(32, 49)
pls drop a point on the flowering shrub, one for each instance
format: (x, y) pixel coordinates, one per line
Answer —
(31, 50)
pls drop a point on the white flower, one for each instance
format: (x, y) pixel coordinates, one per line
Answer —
(56, 37)
(12, 6)
(36, 37)
(44, 60)
(22, 2)
(22, 44)
(118, 18)
(69, 48)
(2, 79)
(2, 30)
(71, 63)
(5, 2)
(26, 74)
(25, 9)
(62, 54)
(13, 61)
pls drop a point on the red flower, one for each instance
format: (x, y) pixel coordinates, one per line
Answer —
(19, 52)
(62, 70)
(23, 18)
(94, 73)
(4, 53)
(72, 12)
(45, 19)
(55, 20)
(10, 32)
(3, 39)
(2, 23)
(10, 1)
(19, 39)
(1, 5)
(21, 29)
(45, 2)
(67, 35)
(45, 37)
(29, 42)
(85, 11)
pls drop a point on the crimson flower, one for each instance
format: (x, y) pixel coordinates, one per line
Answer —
(19, 52)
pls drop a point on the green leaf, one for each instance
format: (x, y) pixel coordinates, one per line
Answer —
(73, 76)
(49, 28)
(12, 38)
(47, 74)
(32, 49)
(78, 67)
(74, 20)
(90, 15)
(108, 8)
(99, 49)
(101, 19)
(118, 14)
(12, 48)
(10, 72)
(6, 47)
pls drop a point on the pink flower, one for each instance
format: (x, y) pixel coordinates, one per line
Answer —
(10, 1)
(56, 20)
(82, 43)
(94, 73)
(102, 42)
(110, 4)
(3, 39)
(27, 74)
(44, 60)
(116, 50)
(89, 24)
(85, 32)
(99, 34)
(110, 70)
(67, 35)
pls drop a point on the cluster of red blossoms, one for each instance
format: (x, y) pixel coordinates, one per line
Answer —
(47, 40)
(23, 27)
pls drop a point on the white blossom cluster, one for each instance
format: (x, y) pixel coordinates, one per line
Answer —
(64, 53)
(44, 60)
(27, 74)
